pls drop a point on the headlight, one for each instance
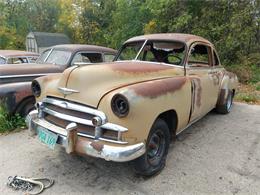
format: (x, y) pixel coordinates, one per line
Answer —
(120, 105)
(36, 88)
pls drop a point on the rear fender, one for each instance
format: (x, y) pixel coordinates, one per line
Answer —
(228, 84)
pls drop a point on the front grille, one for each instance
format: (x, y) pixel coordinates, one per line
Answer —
(57, 112)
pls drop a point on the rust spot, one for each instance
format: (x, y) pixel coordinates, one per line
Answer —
(197, 90)
(156, 88)
(221, 99)
(138, 67)
(97, 146)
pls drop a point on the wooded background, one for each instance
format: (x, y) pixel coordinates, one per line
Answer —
(233, 26)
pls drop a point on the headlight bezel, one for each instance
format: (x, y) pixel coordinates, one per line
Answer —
(36, 88)
(120, 105)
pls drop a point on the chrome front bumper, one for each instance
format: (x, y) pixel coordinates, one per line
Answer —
(73, 141)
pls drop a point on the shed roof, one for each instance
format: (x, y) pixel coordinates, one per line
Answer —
(45, 39)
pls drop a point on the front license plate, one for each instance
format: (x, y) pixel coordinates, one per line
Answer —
(47, 137)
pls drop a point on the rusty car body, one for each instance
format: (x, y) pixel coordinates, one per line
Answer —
(17, 57)
(15, 79)
(130, 109)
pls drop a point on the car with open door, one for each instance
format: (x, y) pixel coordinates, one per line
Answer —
(131, 109)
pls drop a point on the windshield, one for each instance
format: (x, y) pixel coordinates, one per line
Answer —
(59, 57)
(170, 52)
(130, 51)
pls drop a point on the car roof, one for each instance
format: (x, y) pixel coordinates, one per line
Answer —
(14, 53)
(82, 47)
(185, 38)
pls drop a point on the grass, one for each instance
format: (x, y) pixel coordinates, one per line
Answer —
(10, 122)
(249, 93)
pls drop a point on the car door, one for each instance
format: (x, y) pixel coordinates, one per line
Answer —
(199, 68)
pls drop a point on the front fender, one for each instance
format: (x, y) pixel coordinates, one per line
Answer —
(12, 94)
(147, 100)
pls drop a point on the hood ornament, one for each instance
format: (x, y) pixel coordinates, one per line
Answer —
(66, 91)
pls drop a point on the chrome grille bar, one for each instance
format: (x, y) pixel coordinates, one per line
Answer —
(109, 126)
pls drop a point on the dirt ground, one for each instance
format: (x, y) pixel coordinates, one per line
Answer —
(219, 154)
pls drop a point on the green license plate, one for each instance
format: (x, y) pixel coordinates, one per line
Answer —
(47, 137)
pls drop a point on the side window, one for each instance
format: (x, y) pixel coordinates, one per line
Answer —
(87, 58)
(109, 57)
(216, 60)
(18, 60)
(199, 56)
(32, 59)
(2, 60)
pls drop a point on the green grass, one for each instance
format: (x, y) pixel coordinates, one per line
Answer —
(10, 122)
(249, 98)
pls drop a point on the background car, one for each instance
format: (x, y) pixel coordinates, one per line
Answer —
(17, 57)
(15, 80)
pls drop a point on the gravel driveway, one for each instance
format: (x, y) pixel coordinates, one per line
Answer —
(218, 154)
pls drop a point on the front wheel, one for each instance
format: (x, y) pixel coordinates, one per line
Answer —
(157, 147)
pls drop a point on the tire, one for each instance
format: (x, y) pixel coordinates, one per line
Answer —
(26, 106)
(226, 107)
(153, 160)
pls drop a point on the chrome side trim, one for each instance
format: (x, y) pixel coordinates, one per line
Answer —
(109, 126)
(66, 91)
(76, 107)
(24, 75)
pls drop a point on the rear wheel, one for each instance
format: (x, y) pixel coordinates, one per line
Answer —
(157, 146)
(226, 107)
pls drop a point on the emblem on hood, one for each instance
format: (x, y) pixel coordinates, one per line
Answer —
(66, 91)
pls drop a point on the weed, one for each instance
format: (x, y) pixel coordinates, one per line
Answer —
(10, 122)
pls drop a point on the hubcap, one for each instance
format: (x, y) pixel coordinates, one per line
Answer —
(229, 101)
(156, 148)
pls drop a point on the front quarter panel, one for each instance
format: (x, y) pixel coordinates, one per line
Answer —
(147, 101)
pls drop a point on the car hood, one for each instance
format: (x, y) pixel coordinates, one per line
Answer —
(23, 72)
(92, 82)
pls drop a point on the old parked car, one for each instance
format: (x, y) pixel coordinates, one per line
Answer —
(17, 57)
(132, 108)
(15, 80)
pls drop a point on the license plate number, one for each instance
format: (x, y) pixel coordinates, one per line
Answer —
(46, 137)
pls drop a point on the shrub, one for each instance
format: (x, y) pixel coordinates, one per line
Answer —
(10, 122)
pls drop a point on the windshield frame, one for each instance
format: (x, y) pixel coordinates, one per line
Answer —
(182, 64)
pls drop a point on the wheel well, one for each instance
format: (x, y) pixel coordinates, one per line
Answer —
(23, 102)
(171, 118)
(233, 92)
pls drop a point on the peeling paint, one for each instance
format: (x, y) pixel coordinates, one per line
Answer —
(97, 146)
(138, 67)
(153, 89)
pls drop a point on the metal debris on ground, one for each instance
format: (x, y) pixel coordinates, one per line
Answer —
(29, 184)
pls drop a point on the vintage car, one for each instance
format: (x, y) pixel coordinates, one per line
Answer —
(15, 79)
(130, 109)
(17, 57)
